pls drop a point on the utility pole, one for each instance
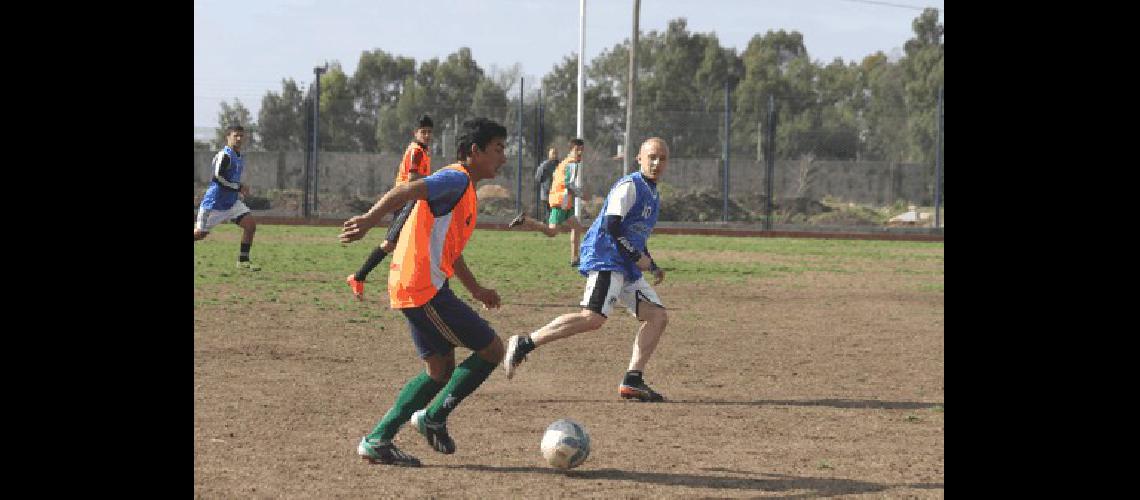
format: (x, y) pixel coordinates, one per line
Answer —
(626, 164)
(317, 72)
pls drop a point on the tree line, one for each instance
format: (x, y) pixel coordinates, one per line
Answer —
(874, 109)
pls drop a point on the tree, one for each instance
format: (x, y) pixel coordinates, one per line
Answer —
(379, 81)
(884, 110)
(235, 115)
(281, 119)
(340, 124)
(923, 73)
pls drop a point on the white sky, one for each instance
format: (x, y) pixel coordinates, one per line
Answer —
(244, 48)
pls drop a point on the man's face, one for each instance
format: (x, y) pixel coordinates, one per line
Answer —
(653, 158)
(576, 152)
(233, 140)
(423, 135)
(487, 162)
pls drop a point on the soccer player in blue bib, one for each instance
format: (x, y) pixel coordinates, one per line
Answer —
(614, 255)
(222, 201)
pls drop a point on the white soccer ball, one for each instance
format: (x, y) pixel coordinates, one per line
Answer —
(566, 444)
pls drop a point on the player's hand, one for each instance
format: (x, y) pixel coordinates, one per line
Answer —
(243, 190)
(644, 263)
(658, 276)
(489, 297)
(354, 229)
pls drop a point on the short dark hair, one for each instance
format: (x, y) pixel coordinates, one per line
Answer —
(425, 121)
(478, 132)
(577, 142)
(234, 128)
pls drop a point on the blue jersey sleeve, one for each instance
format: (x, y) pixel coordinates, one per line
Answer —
(445, 188)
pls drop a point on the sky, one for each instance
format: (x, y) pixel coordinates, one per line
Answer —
(244, 48)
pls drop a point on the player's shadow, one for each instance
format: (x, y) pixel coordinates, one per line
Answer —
(870, 404)
(768, 482)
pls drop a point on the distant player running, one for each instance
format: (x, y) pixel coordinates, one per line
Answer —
(614, 254)
(429, 252)
(415, 164)
(222, 201)
(565, 185)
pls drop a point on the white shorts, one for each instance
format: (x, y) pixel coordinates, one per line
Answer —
(208, 218)
(603, 288)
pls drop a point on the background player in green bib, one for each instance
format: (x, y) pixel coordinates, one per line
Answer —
(565, 185)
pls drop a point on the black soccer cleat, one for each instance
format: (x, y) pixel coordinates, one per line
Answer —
(517, 220)
(640, 392)
(514, 356)
(434, 432)
(377, 452)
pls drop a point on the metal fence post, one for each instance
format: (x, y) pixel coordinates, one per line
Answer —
(770, 160)
(938, 166)
(518, 180)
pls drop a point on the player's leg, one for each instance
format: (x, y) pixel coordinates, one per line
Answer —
(576, 232)
(356, 280)
(202, 223)
(643, 302)
(456, 321)
(602, 288)
(249, 228)
(438, 356)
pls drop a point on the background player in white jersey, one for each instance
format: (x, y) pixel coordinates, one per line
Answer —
(614, 254)
(222, 201)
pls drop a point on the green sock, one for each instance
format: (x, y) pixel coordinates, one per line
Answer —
(416, 394)
(466, 378)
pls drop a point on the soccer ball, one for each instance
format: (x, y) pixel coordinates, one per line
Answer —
(566, 444)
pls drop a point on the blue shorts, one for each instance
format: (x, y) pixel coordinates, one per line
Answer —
(445, 323)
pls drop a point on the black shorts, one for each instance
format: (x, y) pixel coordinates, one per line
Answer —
(444, 323)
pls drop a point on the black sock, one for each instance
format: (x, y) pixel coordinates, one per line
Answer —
(632, 378)
(374, 259)
(244, 255)
(526, 344)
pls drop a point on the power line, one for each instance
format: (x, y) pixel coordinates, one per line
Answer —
(888, 4)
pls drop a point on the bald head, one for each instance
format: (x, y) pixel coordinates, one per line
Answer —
(653, 157)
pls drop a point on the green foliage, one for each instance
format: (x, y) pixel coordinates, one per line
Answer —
(237, 114)
(281, 119)
(873, 109)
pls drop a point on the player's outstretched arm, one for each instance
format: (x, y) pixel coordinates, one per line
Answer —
(356, 227)
(488, 296)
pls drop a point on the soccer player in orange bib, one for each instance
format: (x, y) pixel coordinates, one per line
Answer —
(429, 251)
(416, 164)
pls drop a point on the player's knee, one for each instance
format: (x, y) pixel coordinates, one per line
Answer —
(657, 315)
(440, 368)
(592, 320)
(493, 352)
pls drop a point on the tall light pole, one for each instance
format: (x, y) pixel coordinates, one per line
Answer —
(581, 94)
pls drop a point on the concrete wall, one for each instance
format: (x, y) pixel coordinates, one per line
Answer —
(368, 175)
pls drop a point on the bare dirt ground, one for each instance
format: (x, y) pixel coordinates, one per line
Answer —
(799, 386)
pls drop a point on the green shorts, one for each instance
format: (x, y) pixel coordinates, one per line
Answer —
(558, 215)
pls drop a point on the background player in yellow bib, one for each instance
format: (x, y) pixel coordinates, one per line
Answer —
(565, 185)
(429, 252)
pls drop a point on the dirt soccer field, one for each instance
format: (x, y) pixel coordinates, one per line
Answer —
(823, 382)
